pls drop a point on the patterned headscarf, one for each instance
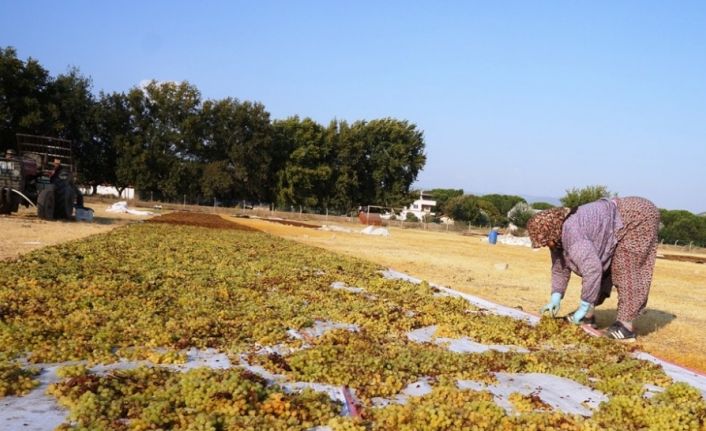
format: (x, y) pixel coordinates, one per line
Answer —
(546, 226)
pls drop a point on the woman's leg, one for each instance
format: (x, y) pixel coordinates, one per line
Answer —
(634, 258)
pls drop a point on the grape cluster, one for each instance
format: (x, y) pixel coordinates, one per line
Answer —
(15, 380)
(528, 403)
(153, 398)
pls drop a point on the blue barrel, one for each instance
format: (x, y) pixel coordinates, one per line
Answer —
(493, 236)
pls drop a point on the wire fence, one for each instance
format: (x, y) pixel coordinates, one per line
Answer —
(301, 214)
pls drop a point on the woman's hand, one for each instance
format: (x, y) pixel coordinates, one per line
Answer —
(553, 306)
(580, 313)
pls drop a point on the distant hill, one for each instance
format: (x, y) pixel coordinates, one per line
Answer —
(703, 214)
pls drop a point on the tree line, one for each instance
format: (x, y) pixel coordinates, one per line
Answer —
(167, 142)
(164, 140)
(677, 226)
(485, 210)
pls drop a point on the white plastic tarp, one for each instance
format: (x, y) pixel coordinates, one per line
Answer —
(122, 208)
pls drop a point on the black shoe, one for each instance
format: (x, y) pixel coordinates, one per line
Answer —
(618, 331)
(591, 321)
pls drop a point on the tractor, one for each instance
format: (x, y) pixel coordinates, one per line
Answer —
(40, 173)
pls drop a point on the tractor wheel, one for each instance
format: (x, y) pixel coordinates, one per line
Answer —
(14, 202)
(5, 201)
(45, 203)
(64, 201)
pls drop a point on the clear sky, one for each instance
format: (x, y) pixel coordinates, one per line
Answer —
(523, 97)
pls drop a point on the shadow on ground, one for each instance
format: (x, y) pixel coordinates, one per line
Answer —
(650, 321)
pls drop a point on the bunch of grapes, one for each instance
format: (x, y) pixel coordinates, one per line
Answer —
(150, 398)
(15, 380)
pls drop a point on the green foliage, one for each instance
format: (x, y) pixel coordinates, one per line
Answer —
(503, 203)
(163, 140)
(25, 99)
(575, 197)
(31, 101)
(682, 226)
(441, 196)
(395, 155)
(164, 120)
(464, 208)
(542, 206)
(236, 137)
(306, 177)
(101, 156)
(489, 214)
(520, 214)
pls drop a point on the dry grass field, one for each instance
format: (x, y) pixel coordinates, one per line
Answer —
(673, 326)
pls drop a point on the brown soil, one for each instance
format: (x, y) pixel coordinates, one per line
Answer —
(23, 231)
(289, 222)
(683, 258)
(212, 221)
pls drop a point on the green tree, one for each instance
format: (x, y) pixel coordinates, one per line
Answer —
(237, 147)
(489, 214)
(575, 197)
(520, 214)
(464, 208)
(395, 151)
(307, 173)
(71, 106)
(668, 217)
(372, 162)
(110, 123)
(25, 102)
(542, 206)
(503, 203)
(441, 196)
(682, 226)
(157, 156)
(349, 187)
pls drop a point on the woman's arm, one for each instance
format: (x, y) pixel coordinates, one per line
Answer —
(584, 256)
(561, 273)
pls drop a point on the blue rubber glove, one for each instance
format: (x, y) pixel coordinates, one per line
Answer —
(580, 313)
(553, 306)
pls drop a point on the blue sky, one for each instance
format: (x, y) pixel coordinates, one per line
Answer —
(518, 97)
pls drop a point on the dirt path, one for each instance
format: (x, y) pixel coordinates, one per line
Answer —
(24, 231)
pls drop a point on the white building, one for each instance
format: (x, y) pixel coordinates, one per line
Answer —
(128, 192)
(420, 208)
